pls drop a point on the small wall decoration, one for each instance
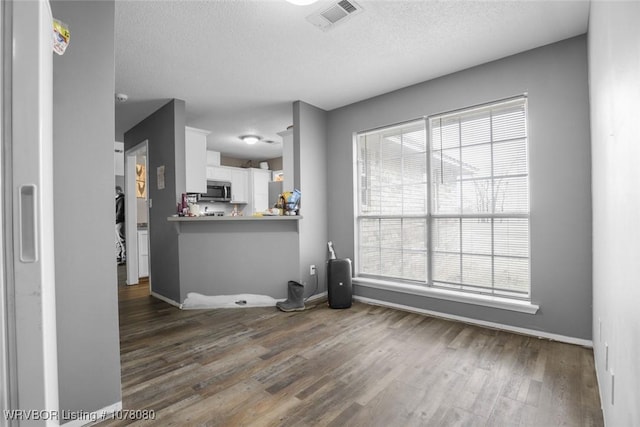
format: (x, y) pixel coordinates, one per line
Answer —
(141, 181)
(61, 36)
(160, 177)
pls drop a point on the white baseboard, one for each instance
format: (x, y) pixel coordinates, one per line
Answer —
(165, 299)
(93, 417)
(493, 325)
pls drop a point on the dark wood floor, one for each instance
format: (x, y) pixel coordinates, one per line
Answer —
(365, 366)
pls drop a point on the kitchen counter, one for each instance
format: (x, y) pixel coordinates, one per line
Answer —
(234, 218)
(229, 255)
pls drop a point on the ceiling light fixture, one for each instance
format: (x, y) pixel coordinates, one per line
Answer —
(251, 139)
(302, 2)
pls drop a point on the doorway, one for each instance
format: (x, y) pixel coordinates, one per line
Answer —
(136, 178)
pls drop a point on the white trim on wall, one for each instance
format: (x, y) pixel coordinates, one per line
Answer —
(492, 325)
(85, 418)
(165, 299)
(131, 210)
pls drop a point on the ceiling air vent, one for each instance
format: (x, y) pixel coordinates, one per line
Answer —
(327, 17)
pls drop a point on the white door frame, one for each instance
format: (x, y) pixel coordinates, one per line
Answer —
(27, 269)
(131, 209)
(6, 388)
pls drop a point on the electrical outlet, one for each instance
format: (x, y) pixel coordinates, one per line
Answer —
(312, 270)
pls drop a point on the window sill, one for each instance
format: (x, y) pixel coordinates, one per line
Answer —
(466, 298)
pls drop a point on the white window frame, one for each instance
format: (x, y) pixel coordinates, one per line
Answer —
(520, 304)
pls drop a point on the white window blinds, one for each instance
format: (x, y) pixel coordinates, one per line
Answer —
(459, 220)
(480, 199)
(392, 188)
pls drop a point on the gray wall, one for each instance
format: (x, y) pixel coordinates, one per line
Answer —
(310, 165)
(83, 135)
(614, 70)
(555, 78)
(164, 129)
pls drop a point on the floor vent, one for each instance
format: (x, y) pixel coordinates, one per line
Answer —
(328, 17)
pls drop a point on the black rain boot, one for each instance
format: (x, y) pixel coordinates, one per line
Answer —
(295, 301)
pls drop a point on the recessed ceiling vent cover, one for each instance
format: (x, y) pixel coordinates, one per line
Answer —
(328, 17)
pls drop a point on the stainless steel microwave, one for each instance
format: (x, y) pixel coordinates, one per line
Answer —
(217, 191)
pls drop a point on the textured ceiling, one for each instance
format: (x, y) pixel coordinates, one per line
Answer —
(239, 64)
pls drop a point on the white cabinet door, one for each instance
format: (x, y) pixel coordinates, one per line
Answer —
(259, 190)
(195, 160)
(143, 253)
(210, 173)
(213, 158)
(239, 185)
(218, 173)
(287, 160)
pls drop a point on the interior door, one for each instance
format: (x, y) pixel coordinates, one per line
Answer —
(133, 211)
(28, 309)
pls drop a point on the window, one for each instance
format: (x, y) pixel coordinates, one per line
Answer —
(448, 211)
(392, 166)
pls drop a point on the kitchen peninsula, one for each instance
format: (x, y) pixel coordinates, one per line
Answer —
(230, 255)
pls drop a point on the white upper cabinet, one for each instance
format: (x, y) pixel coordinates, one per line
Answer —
(239, 185)
(213, 158)
(219, 173)
(258, 190)
(238, 177)
(248, 186)
(195, 142)
(287, 160)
